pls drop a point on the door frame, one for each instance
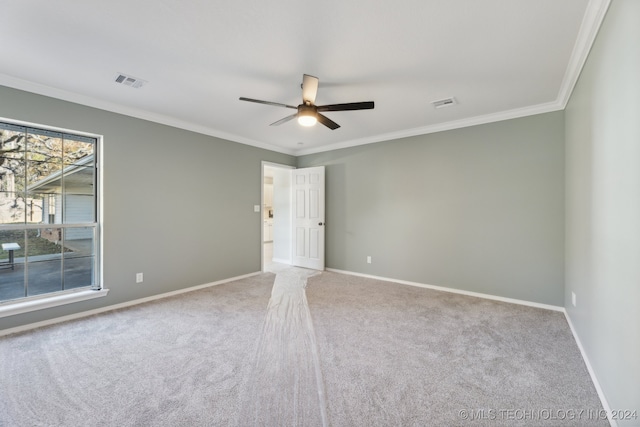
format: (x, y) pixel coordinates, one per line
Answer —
(261, 219)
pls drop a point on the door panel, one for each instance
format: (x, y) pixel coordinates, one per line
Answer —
(300, 242)
(300, 204)
(314, 204)
(313, 243)
(308, 221)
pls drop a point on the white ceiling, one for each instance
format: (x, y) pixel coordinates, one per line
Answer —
(498, 58)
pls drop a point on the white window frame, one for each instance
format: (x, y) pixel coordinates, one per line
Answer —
(54, 299)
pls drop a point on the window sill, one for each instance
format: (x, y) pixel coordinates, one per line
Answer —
(48, 302)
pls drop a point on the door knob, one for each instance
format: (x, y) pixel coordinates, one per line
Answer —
(321, 223)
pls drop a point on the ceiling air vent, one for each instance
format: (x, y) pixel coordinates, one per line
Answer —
(134, 82)
(447, 102)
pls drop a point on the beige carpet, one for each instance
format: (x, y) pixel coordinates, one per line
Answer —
(396, 355)
(285, 386)
(387, 354)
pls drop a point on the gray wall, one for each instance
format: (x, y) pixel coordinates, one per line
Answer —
(479, 209)
(178, 206)
(603, 207)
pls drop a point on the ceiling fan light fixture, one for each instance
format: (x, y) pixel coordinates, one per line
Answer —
(308, 119)
(307, 116)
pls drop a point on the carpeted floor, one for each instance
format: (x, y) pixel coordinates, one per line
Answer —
(285, 387)
(396, 355)
(387, 355)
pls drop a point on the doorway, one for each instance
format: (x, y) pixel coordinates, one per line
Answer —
(276, 216)
(288, 237)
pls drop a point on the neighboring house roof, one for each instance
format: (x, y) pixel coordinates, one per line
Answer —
(76, 175)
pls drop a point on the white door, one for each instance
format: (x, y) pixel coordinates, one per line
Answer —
(308, 217)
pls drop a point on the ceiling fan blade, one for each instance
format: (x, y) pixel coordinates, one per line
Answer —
(327, 122)
(346, 107)
(276, 104)
(309, 89)
(285, 120)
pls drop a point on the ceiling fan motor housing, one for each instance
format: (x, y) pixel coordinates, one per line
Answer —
(307, 110)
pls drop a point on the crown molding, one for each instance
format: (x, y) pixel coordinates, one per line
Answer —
(440, 127)
(44, 90)
(591, 22)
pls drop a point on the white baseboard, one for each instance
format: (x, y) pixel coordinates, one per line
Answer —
(281, 261)
(592, 373)
(455, 291)
(118, 306)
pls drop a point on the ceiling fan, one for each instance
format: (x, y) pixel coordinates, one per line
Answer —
(308, 113)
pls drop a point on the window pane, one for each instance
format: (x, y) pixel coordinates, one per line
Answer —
(33, 209)
(44, 176)
(79, 209)
(44, 166)
(78, 272)
(12, 176)
(12, 283)
(44, 276)
(12, 240)
(44, 208)
(44, 244)
(78, 152)
(79, 260)
(44, 147)
(11, 264)
(79, 179)
(44, 257)
(12, 144)
(79, 197)
(79, 242)
(13, 207)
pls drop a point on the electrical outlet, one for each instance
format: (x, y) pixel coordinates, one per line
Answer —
(573, 298)
(139, 278)
(368, 260)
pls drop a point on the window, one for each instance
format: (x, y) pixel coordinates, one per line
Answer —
(48, 213)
